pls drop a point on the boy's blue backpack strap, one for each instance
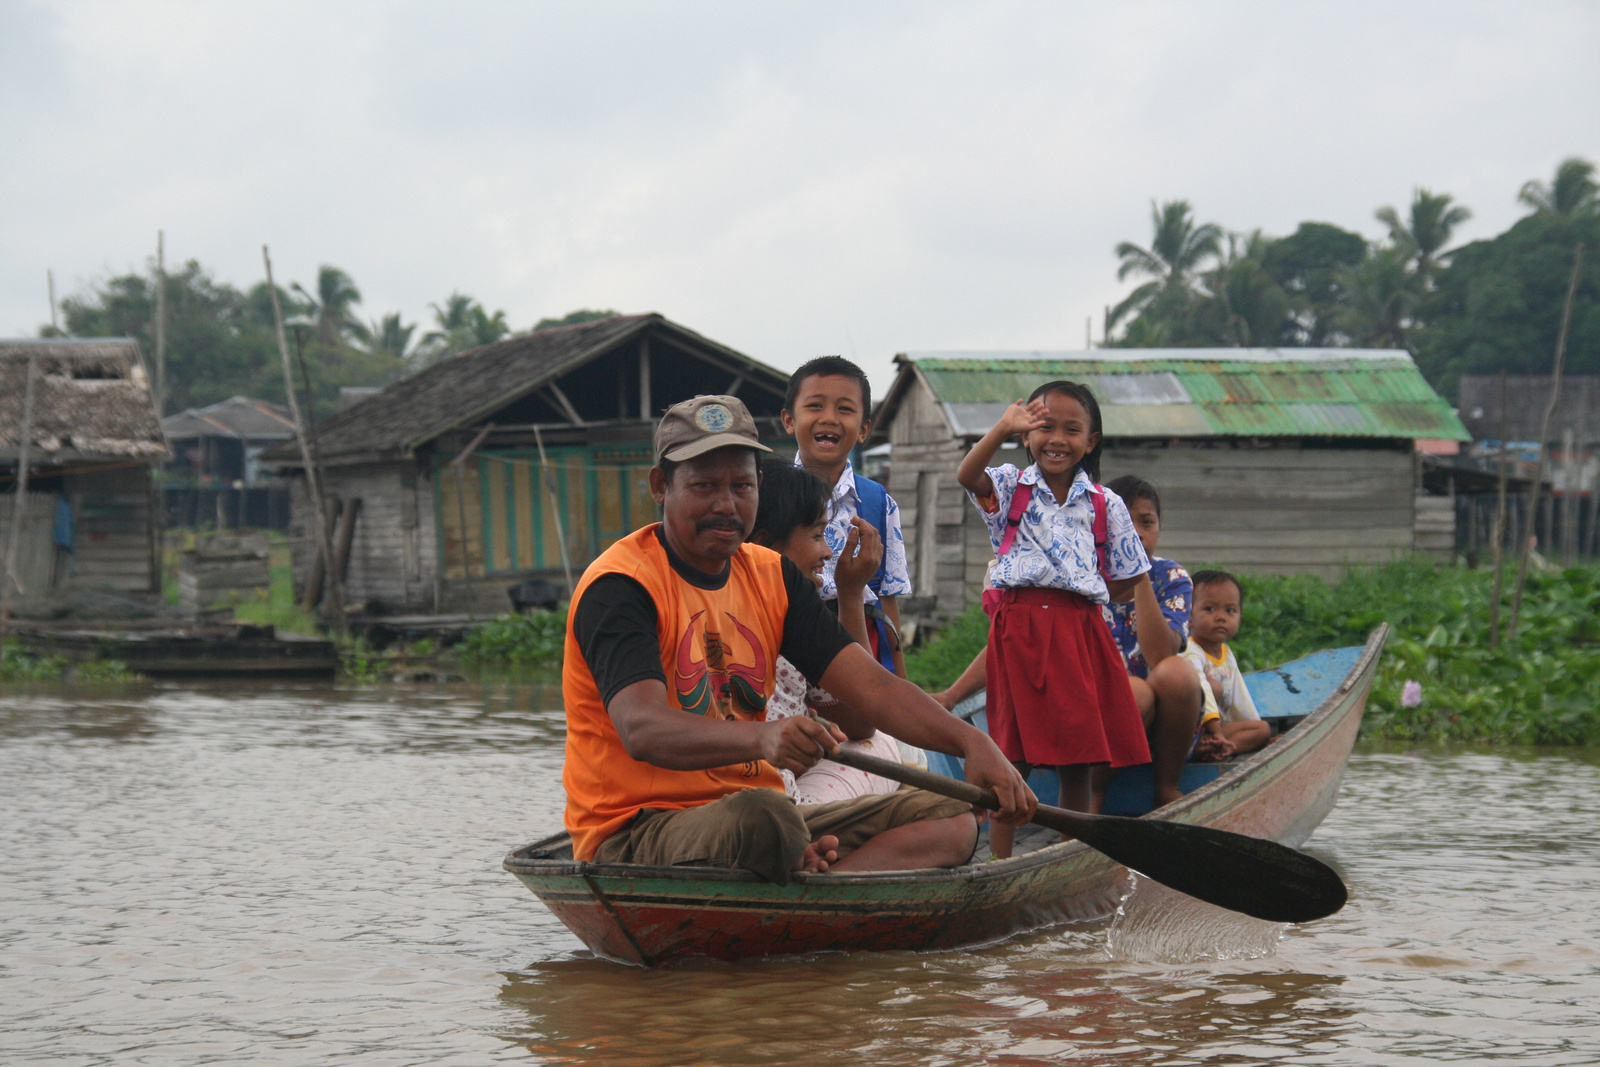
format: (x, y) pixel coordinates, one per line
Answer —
(875, 509)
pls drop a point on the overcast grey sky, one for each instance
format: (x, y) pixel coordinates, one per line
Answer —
(789, 179)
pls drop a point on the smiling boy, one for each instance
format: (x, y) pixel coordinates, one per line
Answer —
(827, 411)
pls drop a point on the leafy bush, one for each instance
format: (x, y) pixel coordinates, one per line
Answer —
(532, 640)
(1540, 690)
(20, 665)
(938, 663)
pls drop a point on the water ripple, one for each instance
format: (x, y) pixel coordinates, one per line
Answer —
(301, 874)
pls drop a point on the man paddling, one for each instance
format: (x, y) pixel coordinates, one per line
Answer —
(672, 640)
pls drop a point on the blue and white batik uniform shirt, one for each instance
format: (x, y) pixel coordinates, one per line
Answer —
(1174, 592)
(844, 504)
(1054, 546)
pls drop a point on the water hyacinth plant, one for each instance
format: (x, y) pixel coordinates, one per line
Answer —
(1439, 679)
(532, 640)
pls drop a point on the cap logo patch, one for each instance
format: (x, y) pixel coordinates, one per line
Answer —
(713, 418)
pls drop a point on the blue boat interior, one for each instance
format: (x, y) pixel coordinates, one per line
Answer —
(1284, 696)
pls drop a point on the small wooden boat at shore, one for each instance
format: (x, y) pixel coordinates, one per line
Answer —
(649, 915)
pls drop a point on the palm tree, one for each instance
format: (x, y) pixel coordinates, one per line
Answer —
(391, 335)
(332, 308)
(487, 329)
(1432, 220)
(1573, 192)
(1381, 296)
(1176, 253)
(1243, 305)
(462, 323)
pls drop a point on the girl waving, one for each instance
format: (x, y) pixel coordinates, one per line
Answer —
(1058, 693)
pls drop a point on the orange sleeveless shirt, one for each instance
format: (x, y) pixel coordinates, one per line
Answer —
(719, 651)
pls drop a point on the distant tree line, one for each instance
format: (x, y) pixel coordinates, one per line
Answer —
(221, 341)
(1479, 308)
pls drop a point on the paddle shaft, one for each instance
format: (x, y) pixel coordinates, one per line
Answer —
(1246, 874)
(1075, 823)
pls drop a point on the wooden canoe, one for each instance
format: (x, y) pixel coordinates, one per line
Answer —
(647, 915)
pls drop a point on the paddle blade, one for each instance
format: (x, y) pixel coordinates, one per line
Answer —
(1245, 874)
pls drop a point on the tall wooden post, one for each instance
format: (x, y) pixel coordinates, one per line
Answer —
(313, 476)
(50, 283)
(161, 324)
(1544, 441)
(1499, 537)
(19, 512)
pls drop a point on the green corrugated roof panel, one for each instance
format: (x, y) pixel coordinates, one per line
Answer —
(1234, 392)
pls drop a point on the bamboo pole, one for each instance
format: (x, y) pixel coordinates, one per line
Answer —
(1499, 536)
(313, 475)
(1544, 442)
(1569, 497)
(161, 324)
(19, 512)
(555, 510)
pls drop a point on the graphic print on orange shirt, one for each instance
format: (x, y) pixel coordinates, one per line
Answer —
(733, 691)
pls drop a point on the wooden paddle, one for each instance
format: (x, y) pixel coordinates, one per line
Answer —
(1245, 874)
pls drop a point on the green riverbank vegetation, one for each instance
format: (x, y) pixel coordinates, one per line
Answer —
(1439, 679)
(531, 641)
(19, 665)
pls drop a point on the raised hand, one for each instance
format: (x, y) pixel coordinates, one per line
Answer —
(860, 557)
(1020, 416)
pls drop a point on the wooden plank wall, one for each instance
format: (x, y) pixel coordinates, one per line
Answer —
(112, 534)
(36, 551)
(392, 555)
(511, 525)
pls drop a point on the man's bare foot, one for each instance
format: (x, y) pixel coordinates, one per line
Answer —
(821, 852)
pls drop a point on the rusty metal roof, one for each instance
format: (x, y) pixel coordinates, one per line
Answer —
(1216, 392)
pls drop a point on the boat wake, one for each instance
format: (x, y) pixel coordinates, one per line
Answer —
(1159, 925)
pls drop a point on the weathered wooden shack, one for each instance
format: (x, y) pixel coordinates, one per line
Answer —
(87, 524)
(215, 477)
(1568, 522)
(1293, 460)
(472, 474)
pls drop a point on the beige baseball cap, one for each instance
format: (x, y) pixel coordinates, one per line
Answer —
(695, 427)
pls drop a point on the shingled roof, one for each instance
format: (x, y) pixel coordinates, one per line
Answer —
(241, 417)
(1194, 392)
(461, 391)
(91, 400)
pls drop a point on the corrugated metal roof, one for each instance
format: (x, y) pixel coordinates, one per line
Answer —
(1206, 392)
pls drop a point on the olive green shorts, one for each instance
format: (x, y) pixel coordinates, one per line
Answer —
(762, 830)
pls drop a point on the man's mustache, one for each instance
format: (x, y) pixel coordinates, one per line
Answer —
(718, 524)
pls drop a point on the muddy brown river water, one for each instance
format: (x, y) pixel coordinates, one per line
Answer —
(307, 875)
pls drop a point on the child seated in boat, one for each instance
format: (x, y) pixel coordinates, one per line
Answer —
(1218, 611)
(1170, 692)
(791, 519)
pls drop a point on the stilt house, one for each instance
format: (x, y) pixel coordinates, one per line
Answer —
(523, 458)
(1513, 408)
(1293, 460)
(94, 433)
(215, 477)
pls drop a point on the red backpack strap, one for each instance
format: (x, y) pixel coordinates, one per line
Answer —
(1097, 498)
(1019, 504)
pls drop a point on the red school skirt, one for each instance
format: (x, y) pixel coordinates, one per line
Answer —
(1058, 690)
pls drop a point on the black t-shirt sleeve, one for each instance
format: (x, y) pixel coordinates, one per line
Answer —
(615, 627)
(812, 636)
